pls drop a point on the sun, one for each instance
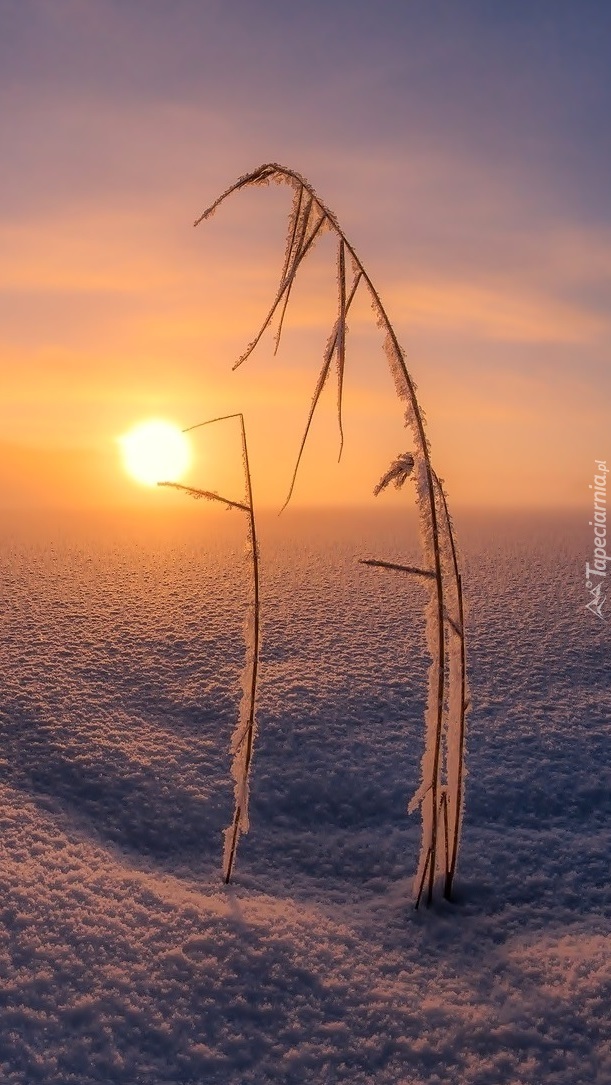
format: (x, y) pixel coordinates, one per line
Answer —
(155, 451)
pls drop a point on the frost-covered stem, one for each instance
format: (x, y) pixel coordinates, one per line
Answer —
(193, 491)
(446, 833)
(426, 573)
(252, 649)
(432, 511)
(451, 866)
(423, 878)
(250, 725)
(461, 745)
(410, 395)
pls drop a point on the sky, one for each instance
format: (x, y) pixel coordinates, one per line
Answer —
(466, 152)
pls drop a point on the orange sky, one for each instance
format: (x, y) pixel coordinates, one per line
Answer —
(492, 263)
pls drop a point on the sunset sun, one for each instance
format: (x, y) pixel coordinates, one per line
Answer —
(155, 451)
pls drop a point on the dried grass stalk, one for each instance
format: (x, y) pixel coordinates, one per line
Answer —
(242, 740)
(447, 698)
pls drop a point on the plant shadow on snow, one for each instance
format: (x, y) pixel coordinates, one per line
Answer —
(168, 806)
(332, 780)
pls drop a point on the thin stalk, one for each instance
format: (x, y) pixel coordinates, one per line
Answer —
(461, 747)
(421, 886)
(249, 731)
(293, 224)
(451, 869)
(427, 573)
(250, 725)
(319, 387)
(341, 339)
(208, 494)
(294, 246)
(421, 436)
(285, 285)
(446, 835)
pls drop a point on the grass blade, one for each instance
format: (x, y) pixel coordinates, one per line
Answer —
(210, 495)
(259, 176)
(285, 285)
(293, 249)
(341, 338)
(322, 378)
(429, 574)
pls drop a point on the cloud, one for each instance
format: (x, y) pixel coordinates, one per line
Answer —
(503, 313)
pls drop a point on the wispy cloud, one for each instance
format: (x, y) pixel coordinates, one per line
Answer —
(503, 313)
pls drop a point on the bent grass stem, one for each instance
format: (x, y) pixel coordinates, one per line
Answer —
(438, 539)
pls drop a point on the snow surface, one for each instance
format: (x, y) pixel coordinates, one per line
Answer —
(124, 959)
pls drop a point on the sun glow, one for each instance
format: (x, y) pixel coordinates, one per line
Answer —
(155, 451)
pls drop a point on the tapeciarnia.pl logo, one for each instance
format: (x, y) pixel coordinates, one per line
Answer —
(596, 573)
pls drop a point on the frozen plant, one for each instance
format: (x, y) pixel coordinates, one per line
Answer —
(243, 737)
(440, 796)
